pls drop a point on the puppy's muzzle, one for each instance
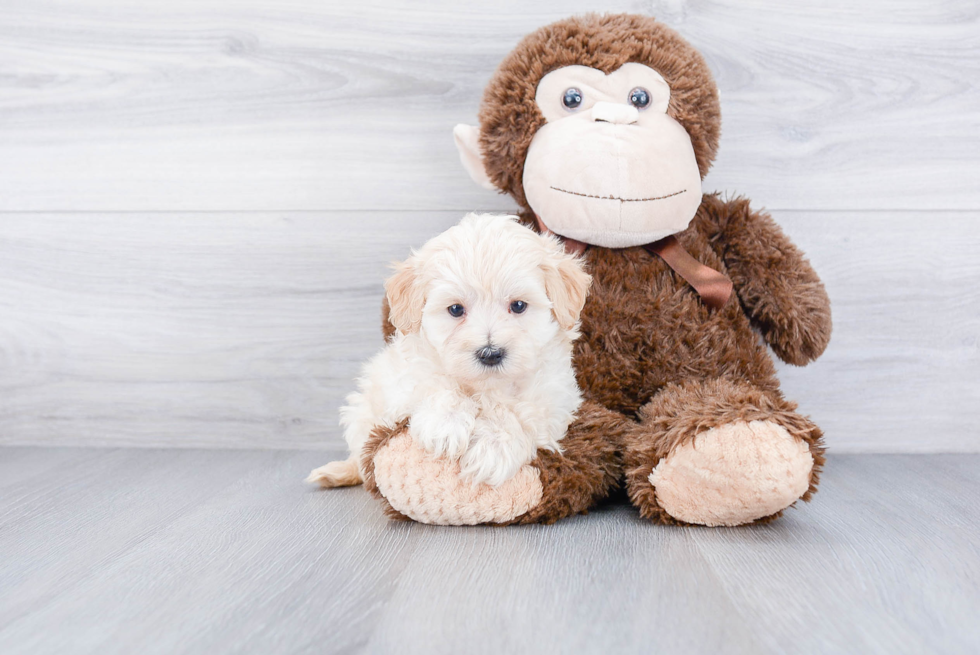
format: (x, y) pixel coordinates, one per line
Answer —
(490, 355)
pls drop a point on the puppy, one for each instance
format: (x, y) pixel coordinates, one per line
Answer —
(481, 360)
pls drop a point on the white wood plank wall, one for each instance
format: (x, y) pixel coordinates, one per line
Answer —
(198, 200)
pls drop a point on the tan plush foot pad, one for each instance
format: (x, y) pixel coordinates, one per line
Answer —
(428, 489)
(733, 474)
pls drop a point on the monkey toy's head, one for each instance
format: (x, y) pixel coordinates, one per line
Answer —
(603, 126)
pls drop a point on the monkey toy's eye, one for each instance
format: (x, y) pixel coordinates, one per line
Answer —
(572, 98)
(518, 306)
(456, 310)
(640, 98)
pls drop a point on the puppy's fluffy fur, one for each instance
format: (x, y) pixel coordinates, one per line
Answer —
(492, 417)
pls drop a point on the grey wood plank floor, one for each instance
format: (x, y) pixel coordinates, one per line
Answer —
(227, 551)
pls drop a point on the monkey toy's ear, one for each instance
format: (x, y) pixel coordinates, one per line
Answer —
(467, 138)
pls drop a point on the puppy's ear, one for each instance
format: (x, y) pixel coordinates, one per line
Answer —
(567, 285)
(406, 297)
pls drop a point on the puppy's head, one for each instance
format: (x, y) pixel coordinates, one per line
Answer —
(489, 296)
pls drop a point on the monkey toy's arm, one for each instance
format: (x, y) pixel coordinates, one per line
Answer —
(775, 283)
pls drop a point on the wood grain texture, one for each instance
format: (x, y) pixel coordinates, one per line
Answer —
(159, 308)
(197, 105)
(217, 329)
(197, 551)
(247, 330)
(901, 372)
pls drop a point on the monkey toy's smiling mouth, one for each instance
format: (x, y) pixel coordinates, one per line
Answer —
(589, 195)
(611, 217)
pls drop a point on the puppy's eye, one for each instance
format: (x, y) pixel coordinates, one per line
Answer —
(640, 98)
(572, 98)
(518, 306)
(456, 310)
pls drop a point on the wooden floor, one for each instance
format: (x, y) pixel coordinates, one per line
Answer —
(222, 551)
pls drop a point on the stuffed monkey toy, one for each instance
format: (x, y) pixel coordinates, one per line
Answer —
(601, 128)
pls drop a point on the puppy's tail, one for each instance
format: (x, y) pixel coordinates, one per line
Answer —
(337, 474)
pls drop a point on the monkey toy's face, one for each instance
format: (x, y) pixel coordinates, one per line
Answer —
(610, 167)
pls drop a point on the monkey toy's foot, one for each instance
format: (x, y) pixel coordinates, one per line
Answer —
(414, 485)
(721, 453)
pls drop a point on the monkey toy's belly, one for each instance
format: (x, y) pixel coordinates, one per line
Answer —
(644, 327)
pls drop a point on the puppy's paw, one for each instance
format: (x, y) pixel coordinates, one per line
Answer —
(442, 432)
(495, 455)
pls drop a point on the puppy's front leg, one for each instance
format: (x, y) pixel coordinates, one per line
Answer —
(500, 447)
(443, 423)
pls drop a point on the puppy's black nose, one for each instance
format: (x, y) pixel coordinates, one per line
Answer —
(490, 355)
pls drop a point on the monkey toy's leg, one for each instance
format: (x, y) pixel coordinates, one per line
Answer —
(720, 452)
(415, 486)
(588, 468)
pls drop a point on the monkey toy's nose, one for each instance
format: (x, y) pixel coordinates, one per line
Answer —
(490, 355)
(615, 112)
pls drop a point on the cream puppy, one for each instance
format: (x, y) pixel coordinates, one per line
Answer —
(481, 361)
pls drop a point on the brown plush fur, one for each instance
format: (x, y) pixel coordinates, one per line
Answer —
(586, 470)
(655, 364)
(509, 115)
(379, 437)
(644, 327)
(646, 334)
